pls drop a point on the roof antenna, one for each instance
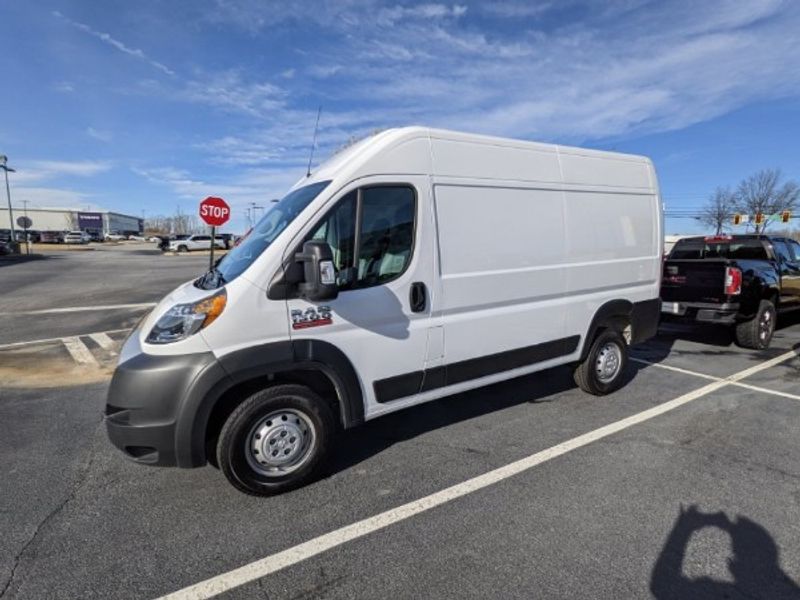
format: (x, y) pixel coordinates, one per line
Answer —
(313, 142)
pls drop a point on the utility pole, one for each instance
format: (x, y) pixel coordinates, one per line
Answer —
(6, 169)
(27, 235)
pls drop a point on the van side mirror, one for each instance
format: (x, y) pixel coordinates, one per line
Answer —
(319, 273)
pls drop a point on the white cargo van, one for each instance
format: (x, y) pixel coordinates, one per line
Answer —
(416, 264)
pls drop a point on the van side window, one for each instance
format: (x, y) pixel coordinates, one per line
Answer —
(385, 240)
(338, 229)
(387, 234)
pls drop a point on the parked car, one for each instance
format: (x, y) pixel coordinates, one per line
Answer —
(336, 308)
(114, 237)
(34, 236)
(77, 237)
(136, 238)
(51, 237)
(228, 239)
(195, 242)
(743, 281)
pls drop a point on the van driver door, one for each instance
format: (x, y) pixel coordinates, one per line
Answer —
(380, 236)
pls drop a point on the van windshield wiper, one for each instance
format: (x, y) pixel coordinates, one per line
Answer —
(211, 280)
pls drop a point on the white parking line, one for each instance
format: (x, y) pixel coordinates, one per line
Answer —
(754, 388)
(270, 564)
(676, 369)
(71, 309)
(80, 353)
(56, 339)
(102, 340)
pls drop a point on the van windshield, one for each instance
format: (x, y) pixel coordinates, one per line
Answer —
(261, 236)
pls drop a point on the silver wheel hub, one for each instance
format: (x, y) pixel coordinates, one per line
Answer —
(280, 443)
(765, 325)
(608, 363)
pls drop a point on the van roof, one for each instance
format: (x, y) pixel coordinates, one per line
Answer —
(380, 153)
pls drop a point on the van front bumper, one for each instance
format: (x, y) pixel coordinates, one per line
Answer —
(154, 404)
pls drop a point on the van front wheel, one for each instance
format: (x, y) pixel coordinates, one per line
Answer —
(601, 372)
(276, 440)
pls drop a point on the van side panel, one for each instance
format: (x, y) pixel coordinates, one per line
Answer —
(586, 167)
(612, 236)
(520, 162)
(500, 250)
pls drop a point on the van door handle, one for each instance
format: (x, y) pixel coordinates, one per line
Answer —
(417, 296)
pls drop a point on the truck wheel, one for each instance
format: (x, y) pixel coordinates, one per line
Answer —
(183, 249)
(601, 371)
(757, 332)
(276, 440)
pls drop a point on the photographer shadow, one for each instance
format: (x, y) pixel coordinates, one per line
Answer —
(755, 565)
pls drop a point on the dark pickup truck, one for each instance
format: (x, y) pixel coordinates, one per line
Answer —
(740, 280)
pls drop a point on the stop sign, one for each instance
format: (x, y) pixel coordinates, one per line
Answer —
(215, 211)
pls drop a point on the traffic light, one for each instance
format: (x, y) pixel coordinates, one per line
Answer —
(737, 219)
(759, 218)
(785, 216)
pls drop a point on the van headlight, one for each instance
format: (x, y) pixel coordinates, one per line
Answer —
(183, 320)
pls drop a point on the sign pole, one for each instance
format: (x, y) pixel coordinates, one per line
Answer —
(213, 244)
(215, 212)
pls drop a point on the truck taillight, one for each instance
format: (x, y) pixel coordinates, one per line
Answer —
(733, 281)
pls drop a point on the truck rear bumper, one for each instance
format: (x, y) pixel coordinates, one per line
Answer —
(700, 312)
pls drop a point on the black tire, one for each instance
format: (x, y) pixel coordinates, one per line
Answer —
(237, 455)
(588, 374)
(757, 332)
(183, 249)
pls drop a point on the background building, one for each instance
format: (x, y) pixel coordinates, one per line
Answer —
(67, 219)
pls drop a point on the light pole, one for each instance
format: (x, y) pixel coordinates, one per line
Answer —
(6, 169)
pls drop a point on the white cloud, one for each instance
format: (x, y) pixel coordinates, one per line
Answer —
(65, 87)
(115, 43)
(43, 170)
(46, 197)
(99, 134)
(324, 71)
(257, 186)
(230, 90)
(515, 9)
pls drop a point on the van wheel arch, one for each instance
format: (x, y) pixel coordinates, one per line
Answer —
(311, 377)
(318, 365)
(616, 315)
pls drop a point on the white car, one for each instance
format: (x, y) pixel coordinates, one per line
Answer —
(416, 264)
(77, 237)
(195, 242)
(114, 237)
(136, 238)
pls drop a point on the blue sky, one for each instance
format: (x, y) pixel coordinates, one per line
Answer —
(148, 105)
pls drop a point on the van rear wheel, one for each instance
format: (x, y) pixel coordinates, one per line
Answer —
(276, 440)
(601, 372)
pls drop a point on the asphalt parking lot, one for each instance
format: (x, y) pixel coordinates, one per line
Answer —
(684, 484)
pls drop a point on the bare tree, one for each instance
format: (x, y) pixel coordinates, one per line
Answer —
(763, 193)
(718, 210)
(179, 223)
